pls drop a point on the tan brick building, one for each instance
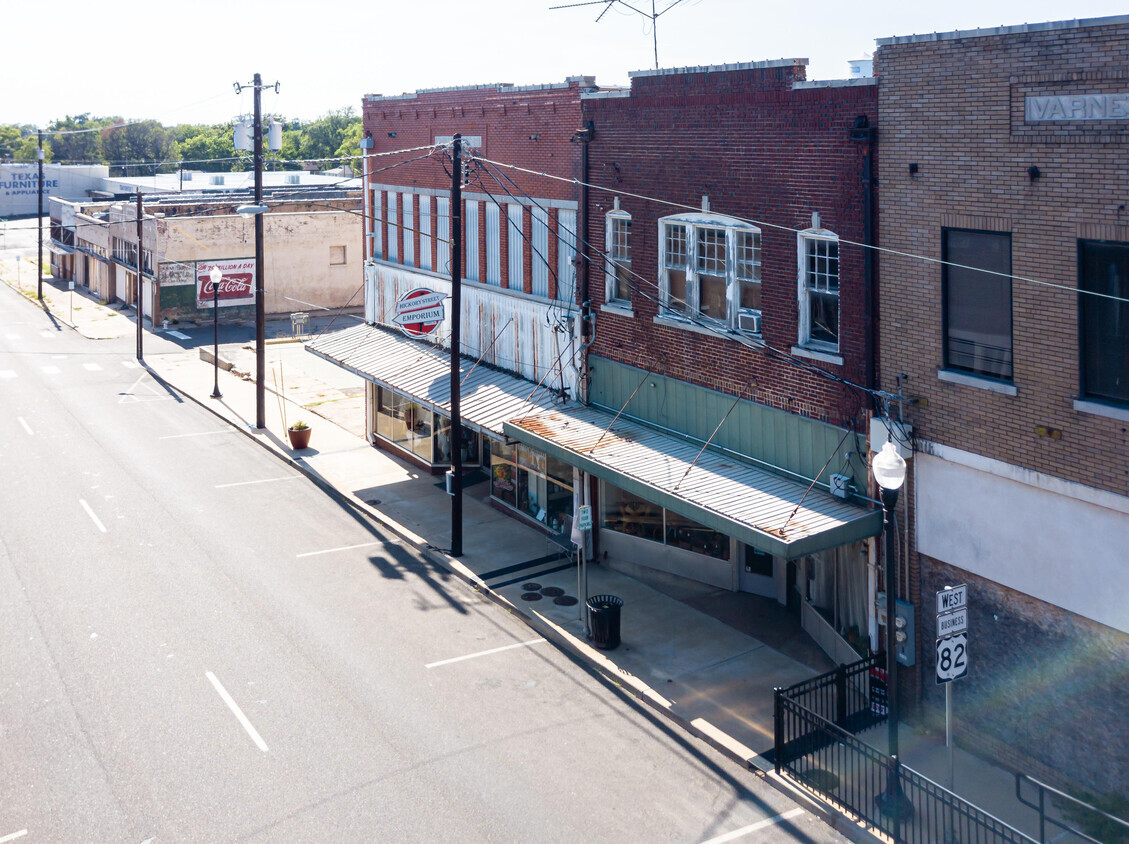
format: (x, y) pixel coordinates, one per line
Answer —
(1004, 165)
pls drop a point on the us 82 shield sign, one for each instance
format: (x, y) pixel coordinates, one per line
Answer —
(952, 658)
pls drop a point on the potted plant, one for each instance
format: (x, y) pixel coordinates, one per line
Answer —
(299, 435)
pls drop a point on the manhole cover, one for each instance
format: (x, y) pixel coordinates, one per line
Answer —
(372, 502)
(531, 596)
(552, 591)
(565, 601)
(531, 587)
(820, 780)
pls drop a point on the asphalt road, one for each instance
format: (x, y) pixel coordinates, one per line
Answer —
(198, 644)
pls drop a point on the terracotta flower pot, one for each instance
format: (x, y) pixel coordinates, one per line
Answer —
(299, 437)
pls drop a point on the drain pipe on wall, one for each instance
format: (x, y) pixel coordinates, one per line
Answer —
(863, 133)
(584, 137)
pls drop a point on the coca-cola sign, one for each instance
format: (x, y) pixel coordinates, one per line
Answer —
(236, 286)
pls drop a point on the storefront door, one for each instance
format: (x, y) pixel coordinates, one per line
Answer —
(756, 572)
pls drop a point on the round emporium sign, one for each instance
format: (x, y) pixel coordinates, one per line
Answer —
(419, 312)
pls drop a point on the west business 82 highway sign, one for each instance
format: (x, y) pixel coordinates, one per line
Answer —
(952, 658)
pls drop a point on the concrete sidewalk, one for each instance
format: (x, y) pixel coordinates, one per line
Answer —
(712, 678)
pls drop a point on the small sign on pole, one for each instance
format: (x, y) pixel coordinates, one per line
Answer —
(952, 658)
(584, 517)
(952, 598)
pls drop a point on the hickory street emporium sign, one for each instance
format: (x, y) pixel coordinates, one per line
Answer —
(419, 312)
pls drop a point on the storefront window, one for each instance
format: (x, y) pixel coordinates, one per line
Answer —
(626, 513)
(520, 478)
(503, 472)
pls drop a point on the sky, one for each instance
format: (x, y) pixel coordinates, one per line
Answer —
(138, 61)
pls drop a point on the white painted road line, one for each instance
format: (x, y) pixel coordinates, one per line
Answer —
(342, 548)
(751, 828)
(263, 481)
(7, 373)
(484, 653)
(130, 364)
(234, 707)
(178, 335)
(27, 427)
(13, 836)
(197, 434)
(90, 513)
(92, 367)
(51, 370)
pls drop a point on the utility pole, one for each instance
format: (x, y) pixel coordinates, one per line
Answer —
(456, 346)
(140, 273)
(260, 294)
(39, 219)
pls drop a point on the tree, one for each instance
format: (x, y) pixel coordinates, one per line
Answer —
(126, 145)
(81, 147)
(28, 150)
(322, 138)
(10, 140)
(208, 148)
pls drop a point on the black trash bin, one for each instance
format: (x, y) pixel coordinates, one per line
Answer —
(603, 620)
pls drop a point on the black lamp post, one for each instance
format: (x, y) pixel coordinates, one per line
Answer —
(890, 472)
(216, 276)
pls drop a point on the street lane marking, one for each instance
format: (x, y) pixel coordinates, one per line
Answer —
(746, 830)
(92, 367)
(46, 333)
(178, 335)
(197, 434)
(130, 364)
(27, 427)
(484, 653)
(51, 370)
(342, 548)
(90, 513)
(263, 481)
(13, 836)
(234, 707)
(7, 373)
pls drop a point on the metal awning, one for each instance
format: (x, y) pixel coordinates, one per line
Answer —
(738, 499)
(58, 248)
(422, 372)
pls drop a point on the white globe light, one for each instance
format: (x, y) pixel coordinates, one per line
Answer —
(216, 275)
(889, 467)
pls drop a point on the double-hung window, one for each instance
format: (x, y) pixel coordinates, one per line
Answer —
(818, 261)
(977, 295)
(1103, 269)
(617, 268)
(711, 270)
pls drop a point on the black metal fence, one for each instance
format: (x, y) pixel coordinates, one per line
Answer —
(841, 768)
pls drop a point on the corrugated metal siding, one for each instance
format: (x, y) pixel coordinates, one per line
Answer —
(470, 226)
(779, 516)
(540, 251)
(792, 442)
(421, 371)
(409, 230)
(424, 232)
(443, 236)
(377, 225)
(393, 229)
(515, 215)
(493, 244)
(566, 251)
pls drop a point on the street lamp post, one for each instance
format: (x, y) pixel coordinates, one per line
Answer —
(216, 276)
(890, 472)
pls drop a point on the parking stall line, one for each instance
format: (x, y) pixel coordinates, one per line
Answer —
(92, 515)
(262, 481)
(13, 836)
(751, 828)
(340, 548)
(484, 653)
(26, 426)
(234, 707)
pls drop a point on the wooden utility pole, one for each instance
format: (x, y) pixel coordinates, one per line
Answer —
(456, 345)
(39, 219)
(140, 293)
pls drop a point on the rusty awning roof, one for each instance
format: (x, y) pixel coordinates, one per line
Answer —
(774, 514)
(422, 372)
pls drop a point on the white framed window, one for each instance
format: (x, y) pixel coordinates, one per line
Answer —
(540, 256)
(617, 267)
(470, 238)
(566, 252)
(409, 230)
(377, 225)
(818, 267)
(443, 234)
(710, 269)
(425, 232)
(515, 216)
(493, 244)
(393, 228)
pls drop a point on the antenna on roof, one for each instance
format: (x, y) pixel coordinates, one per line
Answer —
(653, 17)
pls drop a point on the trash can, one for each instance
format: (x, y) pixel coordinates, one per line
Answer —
(603, 620)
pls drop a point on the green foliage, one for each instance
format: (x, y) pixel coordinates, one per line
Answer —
(200, 146)
(299, 426)
(82, 147)
(322, 138)
(28, 150)
(10, 140)
(143, 142)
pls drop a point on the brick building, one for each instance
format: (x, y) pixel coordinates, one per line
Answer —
(730, 309)
(1004, 154)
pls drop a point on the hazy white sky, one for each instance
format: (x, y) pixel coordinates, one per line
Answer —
(144, 60)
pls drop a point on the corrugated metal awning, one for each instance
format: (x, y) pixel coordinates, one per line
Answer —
(58, 248)
(738, 499)
(422, 372)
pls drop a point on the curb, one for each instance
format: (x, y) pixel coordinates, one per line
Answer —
(626, 687)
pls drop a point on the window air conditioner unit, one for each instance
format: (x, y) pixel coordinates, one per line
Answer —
(749, 322)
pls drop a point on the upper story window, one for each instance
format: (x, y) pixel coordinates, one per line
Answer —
(977, 302)
(1103, 268)
(711, 267)
(617, 268)
(818, 262)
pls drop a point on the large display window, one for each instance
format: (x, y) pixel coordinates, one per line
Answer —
(416, 429)
(629, 514)
(531, 482)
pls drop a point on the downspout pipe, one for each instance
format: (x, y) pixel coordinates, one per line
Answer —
(863, 133)
(585, 137)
